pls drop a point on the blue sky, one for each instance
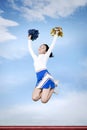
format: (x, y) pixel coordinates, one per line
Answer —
(69, 65)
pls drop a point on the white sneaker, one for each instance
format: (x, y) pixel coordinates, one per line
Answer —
(55, 92)
(56, 82)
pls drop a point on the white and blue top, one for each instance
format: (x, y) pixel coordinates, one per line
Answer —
(44, 78)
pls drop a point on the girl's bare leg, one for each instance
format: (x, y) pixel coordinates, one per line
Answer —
(46, 95)
(36, 94)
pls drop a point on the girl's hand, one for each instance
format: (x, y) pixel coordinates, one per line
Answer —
(29, 37)
(57, 31)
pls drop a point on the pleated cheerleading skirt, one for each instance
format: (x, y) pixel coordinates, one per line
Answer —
(44, 80)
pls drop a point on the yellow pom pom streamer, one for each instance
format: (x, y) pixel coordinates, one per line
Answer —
(57, 31)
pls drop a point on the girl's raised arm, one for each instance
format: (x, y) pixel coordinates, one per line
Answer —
(30, 48)
(51, 46)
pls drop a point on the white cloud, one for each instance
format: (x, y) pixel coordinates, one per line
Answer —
(67, 110)
(5, 35)
(84, 63)
(37, 10)
(13, 79)
(13, 50)
(83, 74)
(10, 50)
(1, 11)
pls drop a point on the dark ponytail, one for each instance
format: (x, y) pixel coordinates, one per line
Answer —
(47, 47)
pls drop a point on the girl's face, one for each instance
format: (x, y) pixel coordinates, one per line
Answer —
(42, 49)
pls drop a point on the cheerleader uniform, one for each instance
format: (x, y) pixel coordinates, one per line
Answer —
(44, 78)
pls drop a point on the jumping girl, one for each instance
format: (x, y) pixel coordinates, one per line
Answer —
(45, 82)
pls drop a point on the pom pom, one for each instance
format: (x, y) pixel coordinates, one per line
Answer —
(34, 34)
(57, 31)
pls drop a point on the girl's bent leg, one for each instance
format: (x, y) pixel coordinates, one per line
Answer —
(36, 94)
(46, 95)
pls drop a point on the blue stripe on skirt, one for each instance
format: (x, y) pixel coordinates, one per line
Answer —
(49, 83)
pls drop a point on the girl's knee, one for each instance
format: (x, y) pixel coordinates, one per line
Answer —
(44, 100)
(36, 94)
(35, 98)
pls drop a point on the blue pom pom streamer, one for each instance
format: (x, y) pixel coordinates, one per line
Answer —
(34, 34)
